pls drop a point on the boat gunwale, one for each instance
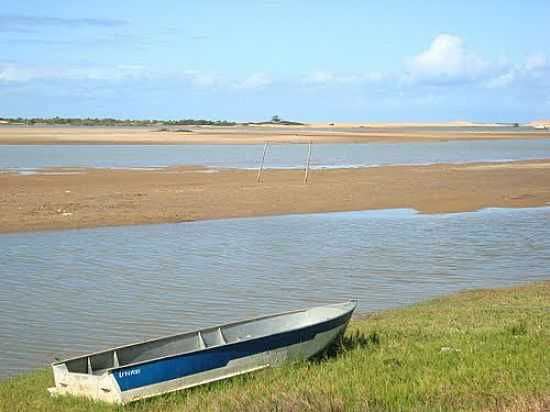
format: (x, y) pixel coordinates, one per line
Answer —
(111, 370)
(196, 331)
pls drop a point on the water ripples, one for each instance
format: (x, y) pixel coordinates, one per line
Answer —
(68, 292)
(29, 158)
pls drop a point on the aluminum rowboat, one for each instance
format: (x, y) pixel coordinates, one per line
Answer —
(142, 370)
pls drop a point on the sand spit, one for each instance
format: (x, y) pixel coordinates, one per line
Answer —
(105, 197)
(318, 133)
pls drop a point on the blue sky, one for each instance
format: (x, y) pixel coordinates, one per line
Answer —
(304, 60)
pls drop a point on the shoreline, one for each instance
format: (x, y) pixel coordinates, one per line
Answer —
(118, 197)
(55, 135)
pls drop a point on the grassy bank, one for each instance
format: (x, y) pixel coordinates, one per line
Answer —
(479, 350)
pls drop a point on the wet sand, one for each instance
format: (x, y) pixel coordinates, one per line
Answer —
(318, 133)
(61, 199)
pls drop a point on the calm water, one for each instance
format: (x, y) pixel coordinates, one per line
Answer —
(68, 292)
(27, 158)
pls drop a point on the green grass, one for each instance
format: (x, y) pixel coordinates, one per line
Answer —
(478, 350)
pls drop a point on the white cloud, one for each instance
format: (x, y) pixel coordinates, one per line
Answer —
(534, 72)
(536, 62)
(502, 80)
(23, 23)
(445, 59)
(255, 81)
(199, 79)
(120, 72)
(319, 77)
(323, 78)
(11, 73)
(375, 76)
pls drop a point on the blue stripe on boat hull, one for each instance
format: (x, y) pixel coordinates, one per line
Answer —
(188, 364)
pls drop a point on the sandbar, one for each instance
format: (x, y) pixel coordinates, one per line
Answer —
(316, 133)
(85, 198)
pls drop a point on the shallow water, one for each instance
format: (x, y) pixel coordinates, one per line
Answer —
(25, 158)
(69, 292)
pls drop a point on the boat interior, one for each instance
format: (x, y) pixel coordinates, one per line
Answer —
(98, 363)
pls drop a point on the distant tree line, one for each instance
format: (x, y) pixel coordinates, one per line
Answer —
(280, 122)
(275, 119)
(71, 121)
(107, 121)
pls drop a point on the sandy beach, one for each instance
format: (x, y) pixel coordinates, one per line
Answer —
(62, 199)
(317, 133)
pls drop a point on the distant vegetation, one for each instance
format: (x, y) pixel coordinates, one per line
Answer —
(281, 122)
(71, 121)
(114, 122)
(275, 119)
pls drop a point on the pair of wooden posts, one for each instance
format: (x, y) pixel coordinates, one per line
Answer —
(259, 177)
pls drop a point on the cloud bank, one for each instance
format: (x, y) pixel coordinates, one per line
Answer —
(22, 23)
(12, 73)
(446, 76)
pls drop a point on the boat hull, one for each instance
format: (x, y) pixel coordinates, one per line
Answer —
(133, 382)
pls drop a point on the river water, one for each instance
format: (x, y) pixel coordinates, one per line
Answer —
(28, 158)
(69, 292)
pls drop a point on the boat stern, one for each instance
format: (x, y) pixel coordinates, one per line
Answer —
(101, 387)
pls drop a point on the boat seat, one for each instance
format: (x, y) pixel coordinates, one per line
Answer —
(211, 337)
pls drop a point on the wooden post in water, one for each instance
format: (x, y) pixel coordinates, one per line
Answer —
(262, 163)
(307, 164)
